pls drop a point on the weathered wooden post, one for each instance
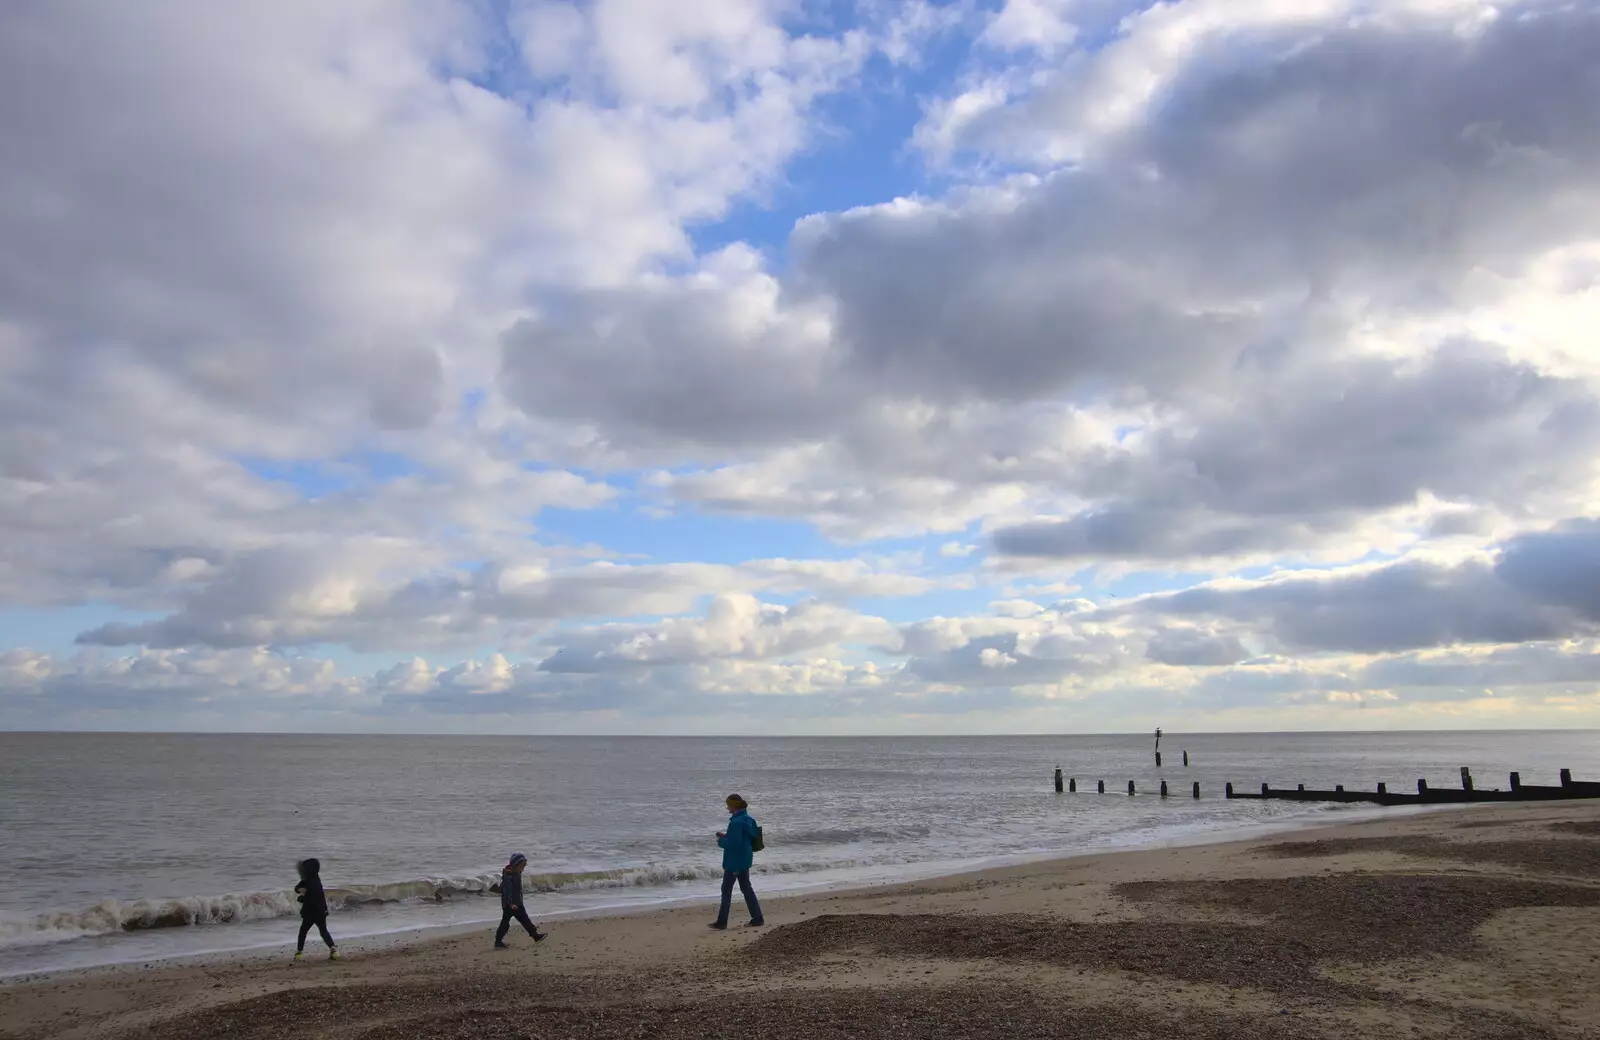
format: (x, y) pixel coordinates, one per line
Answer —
(1301, 787)
(1197, 789)
(1102, 787)
(1186, 758)
(1158, 760)
(1516, 782)
(1130, 788)
(1263, 790)
(1566, 778)
(1163, 788)
(1227, 790)
(1059, 784)
(1422, 788)
(1072, 785)
(1383, 788)
(1466, 779)
(1338, 787)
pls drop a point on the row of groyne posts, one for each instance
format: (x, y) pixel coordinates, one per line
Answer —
(1425, 795)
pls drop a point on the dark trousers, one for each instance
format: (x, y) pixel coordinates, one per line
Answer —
(305, 930)
(506, 915)
(743, 878)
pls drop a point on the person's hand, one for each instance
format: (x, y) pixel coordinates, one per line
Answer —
(722, 834)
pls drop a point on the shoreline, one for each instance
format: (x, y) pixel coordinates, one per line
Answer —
(1124, 914)
(1310, 820)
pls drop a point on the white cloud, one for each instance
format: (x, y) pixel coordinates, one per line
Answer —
(1279, 283)
(1041, 25)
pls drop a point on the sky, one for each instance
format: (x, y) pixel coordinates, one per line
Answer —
(799, 366)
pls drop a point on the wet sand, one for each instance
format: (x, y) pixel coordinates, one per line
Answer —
(1482, 923)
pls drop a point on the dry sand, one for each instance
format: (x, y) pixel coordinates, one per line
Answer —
(1483, 923)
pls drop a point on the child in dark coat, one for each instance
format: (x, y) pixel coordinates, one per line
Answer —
(511, 907)
(313, 907)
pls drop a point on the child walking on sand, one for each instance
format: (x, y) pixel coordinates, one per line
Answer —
(313, 907)
(511, 902)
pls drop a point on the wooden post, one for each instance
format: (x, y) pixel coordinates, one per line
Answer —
(1466, 779)
(1566, 778)
(1516, 781)
(1072, 785)
(1163, 788)
(1338, 787)
(1383, 788)
(1302, 787)
(1158, 760)
(1227, 791)
(1130, 788)
(1186, 758)
(1197, 789)
(1102, 787)
(1422, 787)
(1263, 788)
(1059, 786)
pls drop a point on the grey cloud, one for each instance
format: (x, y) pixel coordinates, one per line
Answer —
(1210, 263)
(343, 591)
(1539, 587)
(1396, 607)
(1188, 647)
(1308, 456)
(682, 362)
(1531, 664)
(1560, 566)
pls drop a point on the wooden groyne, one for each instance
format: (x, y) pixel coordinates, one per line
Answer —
(1425, 795)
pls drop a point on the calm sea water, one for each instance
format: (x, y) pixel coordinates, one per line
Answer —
(131, 847)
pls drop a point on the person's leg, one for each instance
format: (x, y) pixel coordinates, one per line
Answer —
(322, 926)
(522, 916)
(750, 897)
(505, 926)
(305, 929)
(727, 899)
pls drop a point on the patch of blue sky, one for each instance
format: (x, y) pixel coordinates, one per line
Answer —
(633, 534)
(52, 630)
(860, 154)
(317, 478)
(950, 603)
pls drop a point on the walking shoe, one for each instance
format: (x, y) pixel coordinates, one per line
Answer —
(299, 955)
(500, 945)
(539, 937)
(756, 924)
(333, 955)
(718, 925)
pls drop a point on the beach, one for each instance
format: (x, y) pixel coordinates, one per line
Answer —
(1462, 924)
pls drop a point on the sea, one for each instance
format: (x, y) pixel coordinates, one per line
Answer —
(122, 848)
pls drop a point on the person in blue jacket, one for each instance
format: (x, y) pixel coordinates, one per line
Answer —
(737, 858)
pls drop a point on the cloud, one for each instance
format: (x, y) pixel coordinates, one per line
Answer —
(322, 357)
(735, 627)
(1322, 449)
(1263, 228)
(1536, 587)
(360, 594)
(1189, 647)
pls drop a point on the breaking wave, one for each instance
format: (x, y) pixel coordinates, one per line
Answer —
(111, 916)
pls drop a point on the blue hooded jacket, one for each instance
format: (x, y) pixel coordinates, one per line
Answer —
(736, 854)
